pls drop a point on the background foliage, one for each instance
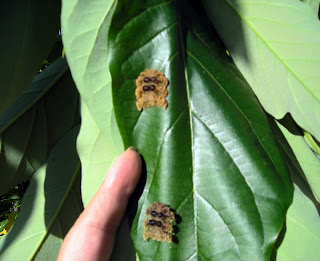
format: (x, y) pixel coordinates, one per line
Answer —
(215, 156)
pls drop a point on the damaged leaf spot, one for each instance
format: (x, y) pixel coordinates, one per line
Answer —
(151, 89)
(158, 224)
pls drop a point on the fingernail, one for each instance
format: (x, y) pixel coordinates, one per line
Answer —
(133, 148)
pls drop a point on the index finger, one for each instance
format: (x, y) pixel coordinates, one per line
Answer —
(92, 236)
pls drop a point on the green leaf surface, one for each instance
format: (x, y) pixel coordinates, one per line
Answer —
(276, 47)
(96, 155)
(32, 125)
(302, 158)
(39, 86)
(50, 206)
(95, 152)
(211, 155)
(314, 4)
(302, 238)
(85, 34)
(29, 30)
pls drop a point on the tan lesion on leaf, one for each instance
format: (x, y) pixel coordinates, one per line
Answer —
(158, 224)
(151, 89)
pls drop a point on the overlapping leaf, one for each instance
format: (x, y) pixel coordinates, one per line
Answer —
(276, 47)
(85, 35)
(50, 206)
(211, 155)
(302, 234)
(32, 125)
(29, 30)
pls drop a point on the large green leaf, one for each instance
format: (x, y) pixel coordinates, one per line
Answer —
(33, 124)
(97, 154)
(50, 206)
(29, 29)
(210, 155)
(85, 34)
(276, 47)
(85, 31)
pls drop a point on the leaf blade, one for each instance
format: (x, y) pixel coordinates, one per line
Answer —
(269, 49)
(191, 161)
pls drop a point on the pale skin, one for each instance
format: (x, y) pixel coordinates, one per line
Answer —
(92, 236)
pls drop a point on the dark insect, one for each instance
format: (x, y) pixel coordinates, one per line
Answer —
(158, 225)
(152, 222)
(153, 213)
(155, 92)
(145, 88)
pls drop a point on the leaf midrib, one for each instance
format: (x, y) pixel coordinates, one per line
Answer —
(191, 135)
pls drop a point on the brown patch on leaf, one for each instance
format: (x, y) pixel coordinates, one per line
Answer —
(151, 89)
(158, 224)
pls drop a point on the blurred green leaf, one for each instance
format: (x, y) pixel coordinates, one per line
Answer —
(29, 30)
(32, 125)
(314, 4)
(49, 208)
(276, 47)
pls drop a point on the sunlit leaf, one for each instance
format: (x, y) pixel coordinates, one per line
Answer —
(32, 125)
(50, 206)
(302, 237)
(210, 155)
(275, 44)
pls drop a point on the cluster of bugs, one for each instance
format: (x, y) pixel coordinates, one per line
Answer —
(151, 89)
(158, 224)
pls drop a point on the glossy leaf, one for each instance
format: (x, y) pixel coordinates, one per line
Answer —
(32, 125)
(50, 206)
(276, 47)
(29, 30)
(210, 155)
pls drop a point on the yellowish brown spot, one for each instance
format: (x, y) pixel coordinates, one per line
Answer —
(151, 89)
(158, 224)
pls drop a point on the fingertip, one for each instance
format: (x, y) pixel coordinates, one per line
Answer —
(133, 148)
(125, 172)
